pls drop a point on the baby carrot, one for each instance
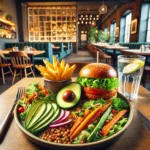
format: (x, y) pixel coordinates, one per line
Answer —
(100, 112)
(86, 112)
(109, 125)
(76, 124)
(85, 123)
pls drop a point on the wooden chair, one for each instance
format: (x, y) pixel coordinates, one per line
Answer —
(4, 64)
(103, 57)
(20, 61)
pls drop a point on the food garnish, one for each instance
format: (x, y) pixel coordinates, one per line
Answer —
(132, 67)
(57, 71)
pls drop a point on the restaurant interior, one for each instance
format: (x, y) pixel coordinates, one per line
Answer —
(77, 32)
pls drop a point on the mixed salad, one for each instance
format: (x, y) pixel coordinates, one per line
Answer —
(88, 121)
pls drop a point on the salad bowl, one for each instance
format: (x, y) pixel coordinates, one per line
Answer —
(91, 145)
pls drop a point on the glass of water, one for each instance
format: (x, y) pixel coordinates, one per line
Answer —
(130, 70)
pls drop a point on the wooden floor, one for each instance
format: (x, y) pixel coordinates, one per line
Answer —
(81, 56)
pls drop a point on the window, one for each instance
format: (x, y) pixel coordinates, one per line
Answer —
(125, 22)
(127, 27)
(105, 30)
(148, 27)
(144, 30)
(112, 31)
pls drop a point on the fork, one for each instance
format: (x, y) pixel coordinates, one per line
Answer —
(7, 120)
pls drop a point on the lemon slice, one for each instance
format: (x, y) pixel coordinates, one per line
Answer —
(130, 68)
(140, 62)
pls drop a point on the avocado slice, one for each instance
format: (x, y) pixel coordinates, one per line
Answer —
(73, 89)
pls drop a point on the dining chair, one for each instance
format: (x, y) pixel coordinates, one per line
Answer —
(20, 61)
(103, 57)
(4, 64)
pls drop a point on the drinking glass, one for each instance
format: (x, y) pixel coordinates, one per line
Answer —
(130, 70)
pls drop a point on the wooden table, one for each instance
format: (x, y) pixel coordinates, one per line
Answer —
(136, 137)
(137, 51)
(56, 47)
(31, 54)
(112, 47)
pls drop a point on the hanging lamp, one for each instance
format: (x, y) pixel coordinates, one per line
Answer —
(103, 8)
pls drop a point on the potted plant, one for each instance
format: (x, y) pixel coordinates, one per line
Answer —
(8, 17)
(101, 36)
(92, 33)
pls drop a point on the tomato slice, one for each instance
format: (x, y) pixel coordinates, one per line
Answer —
(94, 91)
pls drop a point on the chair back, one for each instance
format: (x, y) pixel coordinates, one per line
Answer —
(19, 58)
(2, 58)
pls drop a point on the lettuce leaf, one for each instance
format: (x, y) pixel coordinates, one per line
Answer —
(105, 83)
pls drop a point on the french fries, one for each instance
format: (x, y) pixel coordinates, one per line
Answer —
(57, 71)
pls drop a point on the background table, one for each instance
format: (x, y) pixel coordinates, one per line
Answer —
(136, 137)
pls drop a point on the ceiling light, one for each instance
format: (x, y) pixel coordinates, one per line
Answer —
(103, 9)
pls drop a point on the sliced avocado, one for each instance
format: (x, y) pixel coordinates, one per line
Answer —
(31, 112)
(53, 114)
(72, 88)
(38, 114)
(45, 113)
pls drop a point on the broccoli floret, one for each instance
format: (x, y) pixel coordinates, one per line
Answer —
(118, 126)
(119, 104)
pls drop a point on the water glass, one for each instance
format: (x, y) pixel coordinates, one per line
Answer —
(130, 70)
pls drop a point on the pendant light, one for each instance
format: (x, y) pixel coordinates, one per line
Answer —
(103, 9)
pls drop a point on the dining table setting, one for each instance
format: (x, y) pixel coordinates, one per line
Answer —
(135, 134)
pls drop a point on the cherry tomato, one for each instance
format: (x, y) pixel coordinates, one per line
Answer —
(114, 111)
(21, 109)
(45, 92)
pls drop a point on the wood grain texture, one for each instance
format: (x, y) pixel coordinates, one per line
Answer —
(136, 137)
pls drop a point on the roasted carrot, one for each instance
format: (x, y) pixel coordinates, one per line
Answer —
(76, 124)
(86, 112)
(100, 112)
(85, 122)
(109, 125)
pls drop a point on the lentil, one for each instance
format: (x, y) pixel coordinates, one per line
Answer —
(57, 135)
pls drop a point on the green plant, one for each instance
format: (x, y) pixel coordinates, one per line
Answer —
(101, 36)
(8, 16)
(92, 33)
(96, 35)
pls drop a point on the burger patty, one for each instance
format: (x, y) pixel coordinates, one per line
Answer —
(104, 95)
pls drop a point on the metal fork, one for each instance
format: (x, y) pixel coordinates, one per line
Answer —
(7, 120)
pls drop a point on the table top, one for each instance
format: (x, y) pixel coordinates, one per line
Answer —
(138, 52)
(135, 137)
(110, 46)
(37, 52)
(56, 47)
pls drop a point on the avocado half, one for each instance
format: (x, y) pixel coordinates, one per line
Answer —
(76, 88)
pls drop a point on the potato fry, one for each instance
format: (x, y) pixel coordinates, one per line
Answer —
(54, 59)
(65, 72)
(56, 71)
(69, 72)
(48, 76)
(48, 64)
(62, 64)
